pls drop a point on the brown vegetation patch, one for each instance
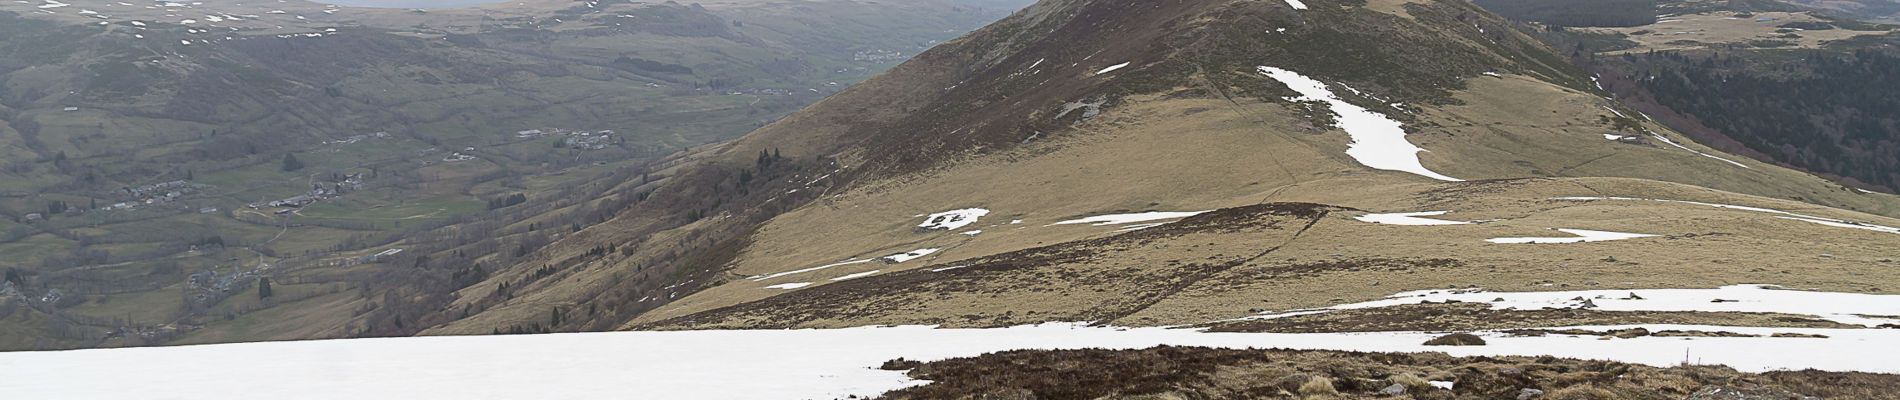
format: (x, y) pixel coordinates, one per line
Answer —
(1456, 339)
(1202, 373)
(1089, 280)
(1445, 317)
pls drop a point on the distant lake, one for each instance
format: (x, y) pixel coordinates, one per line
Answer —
(410, 3)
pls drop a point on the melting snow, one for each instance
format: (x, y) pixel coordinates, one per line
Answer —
(912, 255)
(1111, 68)
(953, 219)
(1377, 141)
(803, 363)
(794, 272)
(1137, 227)
(1582, 236)
(789, 286)
(858, 275)
(1447, 385)
(1296, 4)
(1665, 139)
(1846, 308)
(1118, 219)
(1411, 218)
(1784, 214)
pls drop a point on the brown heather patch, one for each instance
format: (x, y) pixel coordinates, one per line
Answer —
(1204, 373)
(1445, 317)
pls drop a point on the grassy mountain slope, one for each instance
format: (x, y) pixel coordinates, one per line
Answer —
(1188, 125)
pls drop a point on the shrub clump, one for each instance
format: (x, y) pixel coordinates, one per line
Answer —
(900, 364)
(1318, 386)
(1456, 339)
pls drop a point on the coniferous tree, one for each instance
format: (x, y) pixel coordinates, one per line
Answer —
(291, 163)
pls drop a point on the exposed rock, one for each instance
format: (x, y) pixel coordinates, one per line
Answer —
(1394, 390)
(1726, 392)
(1528, 393)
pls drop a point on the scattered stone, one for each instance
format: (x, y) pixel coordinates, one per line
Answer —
(1726, 392)
(1394, 390)
(1798, 335)
(1528, 393)
(1291, 383)
(1633, 296)
(1724, 301)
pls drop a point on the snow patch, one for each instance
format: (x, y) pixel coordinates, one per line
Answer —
(1118, 219)
(911, 255)
(1377, 141)
(1111, 68)
(1846, 308)
(1841, 223)
(1296, 4)
(1665, 139)
(953, 219)
(802, 363)
(1411, 218)
(795, 272)
(789, 286)
(857, 275)
(1583, 235)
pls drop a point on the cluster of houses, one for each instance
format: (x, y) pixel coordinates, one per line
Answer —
(204, 285)
(877, 56)
(317, 192)
(577, 139)
(357, 138)
(157, 193)
(586, 141)
(52, 296)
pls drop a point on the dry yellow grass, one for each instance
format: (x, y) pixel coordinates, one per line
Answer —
(1693, 31)
(1191, 154)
